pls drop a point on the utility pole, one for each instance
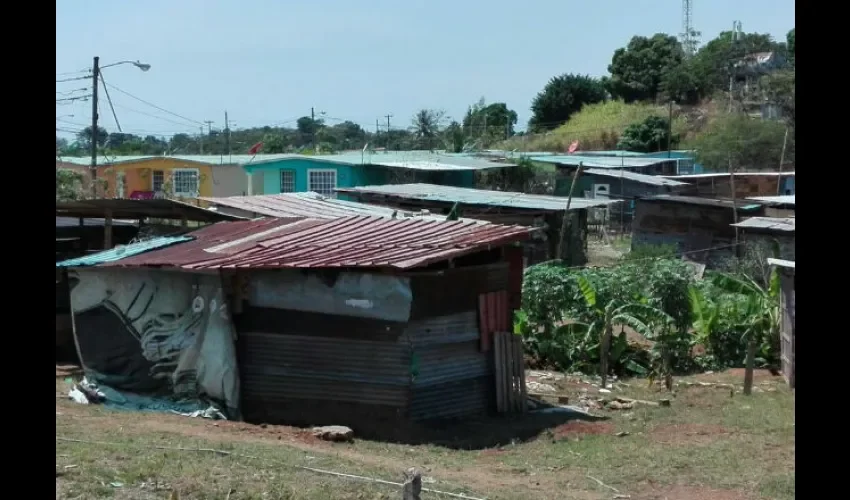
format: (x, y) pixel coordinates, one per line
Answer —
(388, 130)
(201, 128)
(209, 126)
(670, 129)
(95, 70)
(227, 130)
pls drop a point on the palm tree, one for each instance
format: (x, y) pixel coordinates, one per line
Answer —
(761, 308)
(604, 317)
(426, 126)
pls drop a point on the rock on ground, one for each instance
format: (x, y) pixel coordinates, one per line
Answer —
(334, 433)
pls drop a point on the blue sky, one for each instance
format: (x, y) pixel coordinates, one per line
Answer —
(268, 61)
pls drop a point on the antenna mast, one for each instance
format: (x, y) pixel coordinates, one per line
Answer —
(688, 35)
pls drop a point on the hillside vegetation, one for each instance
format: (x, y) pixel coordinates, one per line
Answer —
(597, 127)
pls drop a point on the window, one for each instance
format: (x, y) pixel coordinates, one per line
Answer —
(157, 180)
(322, 181)
(185, 182)
(287, 181)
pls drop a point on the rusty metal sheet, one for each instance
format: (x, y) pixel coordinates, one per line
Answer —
(345, 242)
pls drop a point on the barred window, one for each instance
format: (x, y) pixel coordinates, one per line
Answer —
(322, 182)
(185, 182)
(157, 180)
(287, 181)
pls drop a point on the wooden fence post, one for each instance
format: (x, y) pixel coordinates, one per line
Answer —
(412, 488)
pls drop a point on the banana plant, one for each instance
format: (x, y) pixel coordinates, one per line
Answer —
(761, 310)
(601, 318)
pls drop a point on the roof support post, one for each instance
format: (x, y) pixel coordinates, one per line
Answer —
(107, 231)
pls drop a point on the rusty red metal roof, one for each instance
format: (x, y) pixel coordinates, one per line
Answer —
(344, 242)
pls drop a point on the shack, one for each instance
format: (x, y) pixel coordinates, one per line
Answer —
(787, 307)
(362, 321)
(777, 206)
(773, 233)
(699, 228)
(497, 207)
(747, 184)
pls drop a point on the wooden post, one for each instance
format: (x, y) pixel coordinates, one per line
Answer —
(749, 364)
(412, 488)
(734, 207)
(781, 161)
(107, 231)
(565, 220)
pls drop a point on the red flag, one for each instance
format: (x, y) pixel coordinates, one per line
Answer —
(255, 148)
(573, 147)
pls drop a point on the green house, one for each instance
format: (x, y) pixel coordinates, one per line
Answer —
(274, 174)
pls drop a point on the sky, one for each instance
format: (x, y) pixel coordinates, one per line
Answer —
(267, 62)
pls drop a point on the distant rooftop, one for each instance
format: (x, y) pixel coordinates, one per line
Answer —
(414, 160)
(651, 180)
(694, 200)
(468, 196)
(726, 174)
(787, 199)
(784, 224)
(601, 161)
(311, 204)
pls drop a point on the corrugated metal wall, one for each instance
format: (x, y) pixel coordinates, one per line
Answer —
(455, 378)
(308, 368)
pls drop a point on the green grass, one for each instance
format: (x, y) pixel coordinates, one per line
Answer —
(596, 127)
(706, 443)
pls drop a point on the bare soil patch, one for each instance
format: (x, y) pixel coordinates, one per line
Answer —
(682, 492)
(577, 429)
(689, 434)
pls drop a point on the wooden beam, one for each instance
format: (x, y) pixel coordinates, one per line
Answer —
(107, 231)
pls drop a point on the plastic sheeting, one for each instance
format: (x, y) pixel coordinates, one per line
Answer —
(155, 334)
(361, 295)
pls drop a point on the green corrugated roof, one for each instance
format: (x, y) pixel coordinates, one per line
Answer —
(123, 251)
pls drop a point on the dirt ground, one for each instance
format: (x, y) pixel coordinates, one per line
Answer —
(705, 445)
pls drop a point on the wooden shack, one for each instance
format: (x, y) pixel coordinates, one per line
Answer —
(787, 307)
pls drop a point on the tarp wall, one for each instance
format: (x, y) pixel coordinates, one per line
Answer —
(156, 332)
(374, 296)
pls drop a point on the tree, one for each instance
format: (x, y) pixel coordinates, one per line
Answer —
(638, 69)
(425, 126)
(84, 137)
(738, 142)
(454, 137)
(61, 144)
(684, 84)
(489, 122)
(716, 59)
(792, 45)
(562, 97)
(780, 89)
(647, 136)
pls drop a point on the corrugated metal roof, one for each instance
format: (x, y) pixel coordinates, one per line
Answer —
(775, 200)
(311, 204)
(652, 180)
(694, 200)
(123, 251)
(726, 174)
(415, 160)
(602, 161)
(468, 196)
(345, 242)
(770, 223)
(95, 222)
(139, 209)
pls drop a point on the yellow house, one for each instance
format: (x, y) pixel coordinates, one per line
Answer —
(150, 177)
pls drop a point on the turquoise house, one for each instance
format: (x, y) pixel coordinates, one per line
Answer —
(275, 174)
(686, 160)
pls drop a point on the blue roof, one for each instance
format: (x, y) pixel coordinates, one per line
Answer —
(123, 251)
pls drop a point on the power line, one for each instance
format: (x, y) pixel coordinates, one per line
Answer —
(77, 98)
(196, 122)
(73, 79)
(132, 110)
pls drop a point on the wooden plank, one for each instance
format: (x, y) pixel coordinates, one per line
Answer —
(483, 327)
(517, 362)
(523, 390)
(511, 370)
(497, 364)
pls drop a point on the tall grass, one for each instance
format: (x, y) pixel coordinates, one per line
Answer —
(596, 127)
